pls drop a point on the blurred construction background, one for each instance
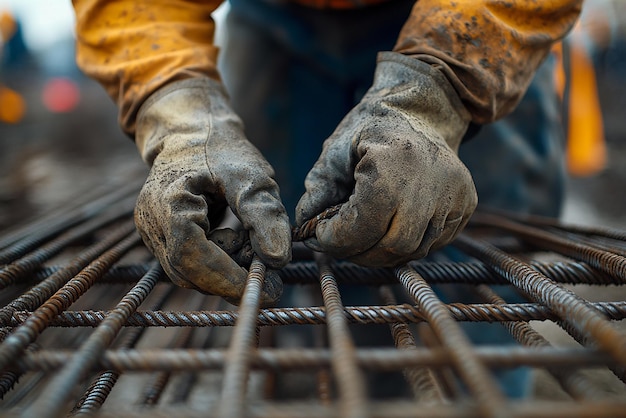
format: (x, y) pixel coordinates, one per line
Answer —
(58, 131)
(59, 136)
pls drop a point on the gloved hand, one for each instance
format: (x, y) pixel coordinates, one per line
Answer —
(200, 164)
(393, 164)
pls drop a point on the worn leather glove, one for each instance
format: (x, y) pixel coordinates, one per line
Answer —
(200, 164)
(393, 164)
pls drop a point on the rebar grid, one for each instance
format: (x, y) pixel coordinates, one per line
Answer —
(90, 326)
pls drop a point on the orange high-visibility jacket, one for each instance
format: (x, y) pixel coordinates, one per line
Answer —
(488, 49)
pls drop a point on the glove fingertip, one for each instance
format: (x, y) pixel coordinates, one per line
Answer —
(272, 246)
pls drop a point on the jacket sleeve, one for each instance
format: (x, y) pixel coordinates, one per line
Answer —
(488, 49)
(133, 47)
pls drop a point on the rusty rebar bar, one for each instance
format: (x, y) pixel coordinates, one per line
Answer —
(570, 307)
(38, 294)
(483, 216)
(477, 312)
(473, 372)
(304, 272)
(52, 401)
(241, 346)
(10, 273)
(350, 380)
(381, 359)
(425, 387)
(606, 261)
(153, 390)
(572, 381)
(27, 236)
(102, 385)
(17, 342)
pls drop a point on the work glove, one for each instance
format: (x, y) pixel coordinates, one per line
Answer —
(392, 162)
(201, 163)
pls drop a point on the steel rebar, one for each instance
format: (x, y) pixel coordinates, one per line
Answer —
(51, 402)
(352, 392)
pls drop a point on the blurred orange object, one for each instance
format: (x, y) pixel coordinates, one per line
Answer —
(12, 106)
(586, 148)
(7, 25)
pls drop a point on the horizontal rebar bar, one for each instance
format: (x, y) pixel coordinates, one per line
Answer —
(395, 409)
(384, 359)
(479, 312)
(303, 272)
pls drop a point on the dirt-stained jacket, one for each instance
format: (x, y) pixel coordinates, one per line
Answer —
(488, 49)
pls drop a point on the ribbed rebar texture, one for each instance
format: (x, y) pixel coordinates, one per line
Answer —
(520, 317)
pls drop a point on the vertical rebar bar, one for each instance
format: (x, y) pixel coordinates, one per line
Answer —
(103, 384)
(349, 378)
(153, 390)
(423, 384)
(237, 368)
(474, 373)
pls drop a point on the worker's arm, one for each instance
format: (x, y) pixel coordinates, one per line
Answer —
(392, 162)
(156, 59)
(488, 49)
(134, 47)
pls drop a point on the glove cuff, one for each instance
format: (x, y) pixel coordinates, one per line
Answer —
(420, 89)
(181, 111)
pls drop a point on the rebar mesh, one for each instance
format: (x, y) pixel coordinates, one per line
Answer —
(91, 326)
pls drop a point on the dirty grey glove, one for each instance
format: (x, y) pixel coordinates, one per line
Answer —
(393, 164)
(200, 164)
